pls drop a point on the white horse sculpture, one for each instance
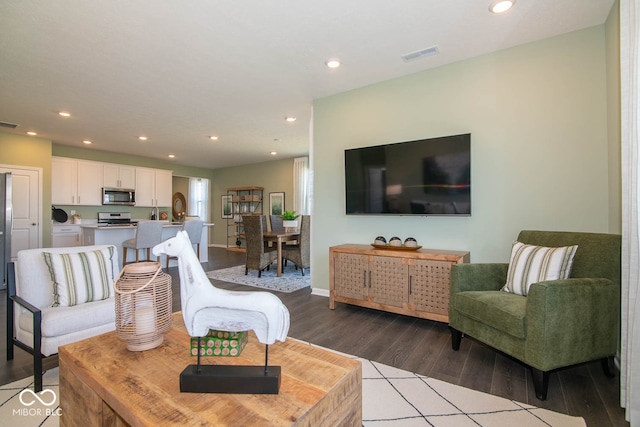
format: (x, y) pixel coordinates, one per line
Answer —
(206, 307)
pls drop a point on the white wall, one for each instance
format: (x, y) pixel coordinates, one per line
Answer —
(537, 115)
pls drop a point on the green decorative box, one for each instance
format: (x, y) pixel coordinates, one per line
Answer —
(220, 343)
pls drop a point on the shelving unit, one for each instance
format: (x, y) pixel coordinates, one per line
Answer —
(244, 201)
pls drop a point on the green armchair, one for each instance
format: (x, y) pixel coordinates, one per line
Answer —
(559, 323)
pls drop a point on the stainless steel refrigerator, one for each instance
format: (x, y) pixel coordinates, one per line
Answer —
(6, 215)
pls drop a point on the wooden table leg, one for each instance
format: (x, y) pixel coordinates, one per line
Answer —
(279, 256)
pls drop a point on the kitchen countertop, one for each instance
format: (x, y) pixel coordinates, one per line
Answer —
(109, 227)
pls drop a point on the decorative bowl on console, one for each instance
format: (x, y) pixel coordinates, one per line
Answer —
(380, 241)
(410, 242)
(395, 241)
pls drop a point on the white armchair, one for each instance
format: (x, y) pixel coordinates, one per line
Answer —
(56, 296)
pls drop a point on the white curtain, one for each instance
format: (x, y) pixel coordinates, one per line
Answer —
(301, 187)
(198, 198)
(630, 308)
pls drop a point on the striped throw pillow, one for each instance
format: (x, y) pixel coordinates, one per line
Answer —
(80, 277)
(532, 264)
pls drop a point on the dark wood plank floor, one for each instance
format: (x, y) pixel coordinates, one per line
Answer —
(408, 343)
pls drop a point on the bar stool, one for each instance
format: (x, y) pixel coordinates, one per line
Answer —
(193, 227)
(148, 235)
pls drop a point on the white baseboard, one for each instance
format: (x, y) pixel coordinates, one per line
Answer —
(320, 292)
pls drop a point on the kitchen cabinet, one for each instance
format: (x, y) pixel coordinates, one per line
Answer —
(119, 176)
(76, 182)
(89, 183)
(64, 181)
(413, 283)
(64, 236)
(153, 187)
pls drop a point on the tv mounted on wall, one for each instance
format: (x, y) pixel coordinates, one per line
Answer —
(424, 177)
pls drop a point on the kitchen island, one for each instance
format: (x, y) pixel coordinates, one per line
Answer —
(94, 234)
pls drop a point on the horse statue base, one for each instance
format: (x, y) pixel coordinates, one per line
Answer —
(230, 379)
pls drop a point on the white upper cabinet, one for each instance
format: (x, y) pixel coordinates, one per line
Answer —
(64, 181)
(164, 186)
(119, 176)
(153, 187)
(89, 183)
(76, 182)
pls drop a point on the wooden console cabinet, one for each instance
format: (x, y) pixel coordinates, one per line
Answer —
(413, 283)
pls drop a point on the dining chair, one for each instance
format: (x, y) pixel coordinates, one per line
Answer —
(276, 223)
(193, 227)
(148, 235)
(299, 253)
(259, 257)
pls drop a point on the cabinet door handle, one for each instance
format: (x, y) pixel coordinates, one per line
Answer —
(410, 285)
(369, 278)
(364, 278)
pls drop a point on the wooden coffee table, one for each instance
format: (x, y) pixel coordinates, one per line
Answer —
(103, 384)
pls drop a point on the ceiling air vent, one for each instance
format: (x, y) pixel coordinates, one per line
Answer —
(8, 125)
(430, 51)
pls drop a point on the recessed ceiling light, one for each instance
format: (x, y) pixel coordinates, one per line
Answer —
(31, 133)
(501, 6)
(290, 119)
(86, 141)
(171, 156)
(213, 138)
(333, 63)
(273, 153)
(142, 138)
(64, 114)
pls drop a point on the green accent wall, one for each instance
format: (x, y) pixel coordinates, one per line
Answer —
(612, 40)
(18, 150)
(541, 156)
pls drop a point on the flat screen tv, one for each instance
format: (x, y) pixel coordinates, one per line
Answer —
(424, 177)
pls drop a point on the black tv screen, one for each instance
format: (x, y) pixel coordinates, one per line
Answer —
(424, 177)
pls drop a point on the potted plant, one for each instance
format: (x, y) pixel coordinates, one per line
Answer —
(290, 219)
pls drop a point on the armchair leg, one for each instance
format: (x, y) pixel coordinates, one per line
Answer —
(37, 355)
(456, 337)
(37, 372)
(607, 366)
(11, 290)
(540, 383)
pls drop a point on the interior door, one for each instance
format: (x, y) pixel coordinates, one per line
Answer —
(26, 190)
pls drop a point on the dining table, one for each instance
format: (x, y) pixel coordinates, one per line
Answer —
(279, 237)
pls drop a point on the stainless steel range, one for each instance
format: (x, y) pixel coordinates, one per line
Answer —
(111, 219)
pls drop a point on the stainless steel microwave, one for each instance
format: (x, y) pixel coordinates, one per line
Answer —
(118, 196)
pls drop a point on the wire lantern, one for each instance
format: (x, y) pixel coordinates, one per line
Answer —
(143, 305)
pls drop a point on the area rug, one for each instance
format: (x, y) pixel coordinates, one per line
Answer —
(391, 397)
(290, 281)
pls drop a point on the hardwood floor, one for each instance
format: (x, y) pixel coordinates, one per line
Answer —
(412, 344)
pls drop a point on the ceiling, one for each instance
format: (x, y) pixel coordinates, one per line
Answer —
(179, 72)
